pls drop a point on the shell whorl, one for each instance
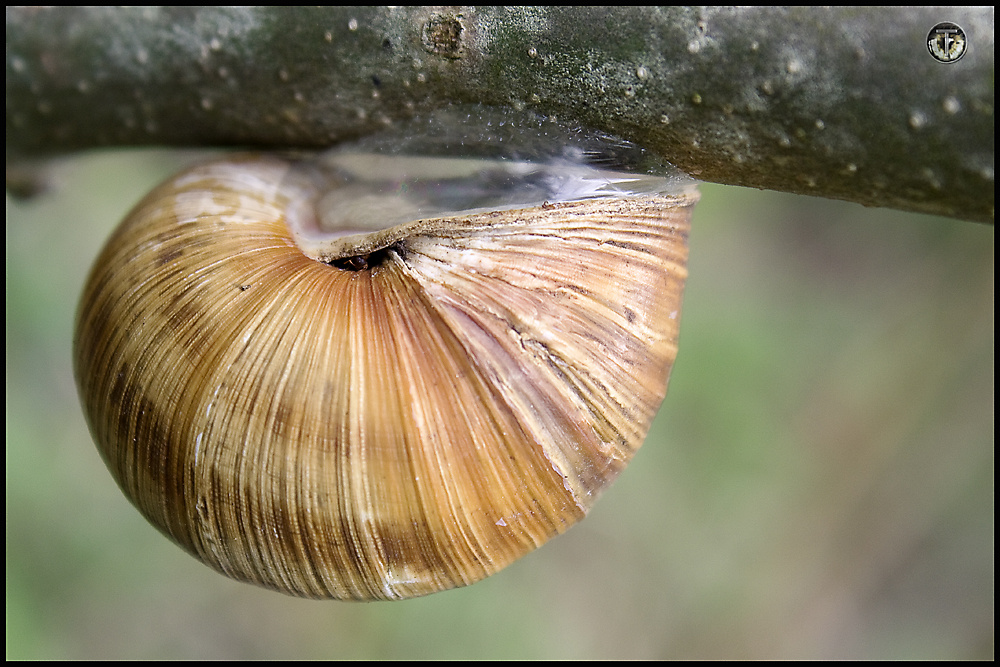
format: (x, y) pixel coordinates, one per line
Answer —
(380, 433)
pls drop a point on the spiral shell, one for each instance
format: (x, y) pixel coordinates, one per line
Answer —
(408, 412)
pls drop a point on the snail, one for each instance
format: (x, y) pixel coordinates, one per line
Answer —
(364, 414)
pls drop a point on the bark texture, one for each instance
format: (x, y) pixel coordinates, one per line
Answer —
(844, 103)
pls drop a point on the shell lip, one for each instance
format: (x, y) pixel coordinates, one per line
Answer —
(459, 161)
(366, 203)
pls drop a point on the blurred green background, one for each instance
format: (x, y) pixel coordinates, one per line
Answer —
(818, 484)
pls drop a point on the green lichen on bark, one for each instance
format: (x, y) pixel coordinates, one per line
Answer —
(833, 102)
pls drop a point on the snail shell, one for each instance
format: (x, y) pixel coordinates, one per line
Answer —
(380, 417)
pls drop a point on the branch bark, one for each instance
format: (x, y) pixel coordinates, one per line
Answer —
(837, 102)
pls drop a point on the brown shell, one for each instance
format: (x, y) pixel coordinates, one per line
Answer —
(380, 433)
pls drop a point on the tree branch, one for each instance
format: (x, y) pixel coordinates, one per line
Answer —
(837, 102)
